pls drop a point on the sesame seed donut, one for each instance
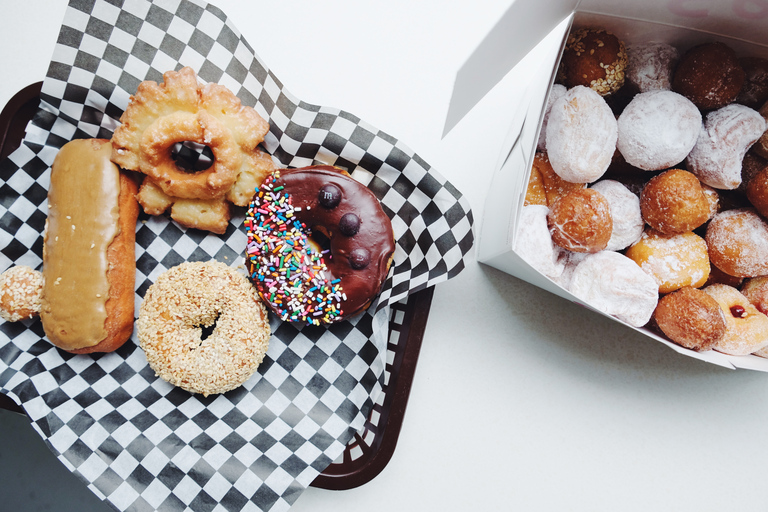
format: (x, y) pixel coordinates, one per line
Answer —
(319, 244)
(746, 328)
(594, 58)
(180, 109)
(21, 288)
(196, 295)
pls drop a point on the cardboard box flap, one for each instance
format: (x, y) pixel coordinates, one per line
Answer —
(521, 28)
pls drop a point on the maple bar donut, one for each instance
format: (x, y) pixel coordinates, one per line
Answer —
(180, 109)
(20, 291)
(691, 318)
(89, 265)
(319, 244)
(178, 306)
(746, 328)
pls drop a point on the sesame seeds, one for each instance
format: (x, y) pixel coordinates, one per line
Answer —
(177, 307)
(20, 291)
(289, 274)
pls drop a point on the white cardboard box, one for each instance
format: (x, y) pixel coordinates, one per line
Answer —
(532, 34)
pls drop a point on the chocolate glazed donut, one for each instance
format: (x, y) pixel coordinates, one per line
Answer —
(330, 204)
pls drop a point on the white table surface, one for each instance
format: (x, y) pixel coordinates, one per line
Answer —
(521, 400)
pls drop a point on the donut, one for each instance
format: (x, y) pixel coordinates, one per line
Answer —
(738, 242)
(755, 289)
(581, 221)
(534, 245)
(554, 186)
(593, 58)
(713, 200)
(534, 192)
(750, 167)
(194, 296)
(319, 244)
(723, 141)
(555, 92)
(746, 328)
(89, 264)
(180, 109)
(757, 191)
(761, 147)
(20, 291)
(709, 75)
(691, 318)
(626, 216)
(657, 130)
(612, 283)
(673, 261)
(754, 92)
(650, 66)
(581, 135)
(674, 202)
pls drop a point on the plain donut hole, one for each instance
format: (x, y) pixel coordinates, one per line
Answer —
(192, 157)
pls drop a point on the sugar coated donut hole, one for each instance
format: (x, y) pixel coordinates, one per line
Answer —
(709, 75)
(594, 58)
(650, 66)
(657, 130)
(746, 328)
(554, 187)
(754, 92)
(738, 242)
(691, 318)
(757, 192)
(674, 202)
(673, 261)
(755, 290)
(581, 221)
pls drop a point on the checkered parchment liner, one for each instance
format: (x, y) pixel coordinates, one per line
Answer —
(139, 443)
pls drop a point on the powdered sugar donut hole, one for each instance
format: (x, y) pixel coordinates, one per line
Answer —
(534, 243)
(658, 129)
(650, 66)
(612, 283)
(581, 135)
(628, 222)
(555, 93)
(724, 139)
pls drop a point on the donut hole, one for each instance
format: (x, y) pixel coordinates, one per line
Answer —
(192, 157)
(206, 329)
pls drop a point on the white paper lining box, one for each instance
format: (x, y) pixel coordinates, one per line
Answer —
(532, 34)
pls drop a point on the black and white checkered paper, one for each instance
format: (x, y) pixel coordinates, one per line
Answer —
(139, 443)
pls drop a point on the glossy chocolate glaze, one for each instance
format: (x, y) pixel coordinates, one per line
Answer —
(375, 233)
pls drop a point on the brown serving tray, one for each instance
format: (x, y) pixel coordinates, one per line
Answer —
(370, 450)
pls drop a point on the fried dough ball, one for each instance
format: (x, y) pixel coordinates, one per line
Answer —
(691, 318)
(673, 261)
(581, 135)
(594, 58)
(21, 288)
(746, 328)
(756, 290)
(738, 242)
(650, 66)
(554, 186)
(674, 202)
(581, 221)
(627, 218)
(757, 192)
(709, 75)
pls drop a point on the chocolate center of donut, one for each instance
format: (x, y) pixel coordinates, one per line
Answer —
(192, 157)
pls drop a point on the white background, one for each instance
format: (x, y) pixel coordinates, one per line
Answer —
(521, 400)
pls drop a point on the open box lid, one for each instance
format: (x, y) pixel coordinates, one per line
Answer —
(527, 22)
